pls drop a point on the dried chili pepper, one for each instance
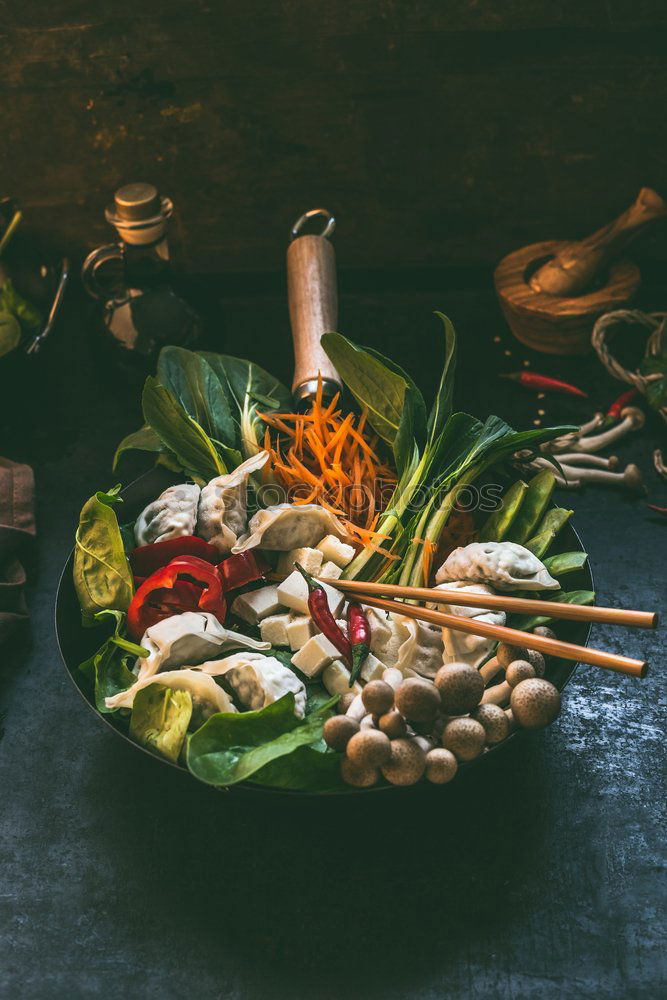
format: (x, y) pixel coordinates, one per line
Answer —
(531, 380)
(359, 631)
(147, 558)
(243, 568)
(658, 510)
(621, 402)
(196, 586)
(320, 612)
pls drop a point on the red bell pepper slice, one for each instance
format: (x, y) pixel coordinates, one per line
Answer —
(147, 558)
(243, 568)
(195, 584)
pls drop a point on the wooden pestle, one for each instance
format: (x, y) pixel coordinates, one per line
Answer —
(575, 266)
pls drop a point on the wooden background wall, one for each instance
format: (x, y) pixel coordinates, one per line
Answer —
(439, 131)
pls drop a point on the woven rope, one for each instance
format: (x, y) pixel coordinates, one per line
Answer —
(655, 322)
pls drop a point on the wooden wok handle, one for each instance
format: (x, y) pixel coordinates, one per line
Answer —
(313, 306)
(575, 266)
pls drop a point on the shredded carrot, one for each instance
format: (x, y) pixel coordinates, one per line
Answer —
(327, 458)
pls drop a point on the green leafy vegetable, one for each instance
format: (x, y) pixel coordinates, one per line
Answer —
(307, 769)
(232, 747)
(442, 406)
(373, 384)
(193, 382)
(180, 434)
(10, 333)
(252, 390)
(107, 670)
(145, 439)
(102, 575)
(29, 317)
(160, 719)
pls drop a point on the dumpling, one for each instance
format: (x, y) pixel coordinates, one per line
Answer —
(387, 635)
(460, 647)
(422, 649)
(290, 526)
(207, 696)
(223, 517)
(505, 565)
(173, 514)
(188, 638)
(257, 680)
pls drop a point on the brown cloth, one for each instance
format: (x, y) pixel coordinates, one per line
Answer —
(17, 527)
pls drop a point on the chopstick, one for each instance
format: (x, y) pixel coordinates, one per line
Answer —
(513, 636)
(501, 602)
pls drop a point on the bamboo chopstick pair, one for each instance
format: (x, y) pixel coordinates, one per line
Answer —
(375, 594)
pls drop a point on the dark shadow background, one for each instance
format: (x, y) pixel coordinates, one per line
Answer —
(442, 135)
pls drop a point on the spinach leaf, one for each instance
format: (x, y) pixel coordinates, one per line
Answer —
(251, 390)
(179, 433)
(307, 769)
(230, 748)
(160, 719)
(102, 575)
(442, 407)
(145, 439)
(196, 386)
(376, 387)
(107, 670)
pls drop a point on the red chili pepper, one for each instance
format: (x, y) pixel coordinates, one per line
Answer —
(147, 558)
(657, 508)
(243, 568)
(359, 631)
(531, 380)
(320, 612)
(621, 402)
(150, 604)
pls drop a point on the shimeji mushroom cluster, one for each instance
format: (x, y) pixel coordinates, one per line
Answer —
(406, 728)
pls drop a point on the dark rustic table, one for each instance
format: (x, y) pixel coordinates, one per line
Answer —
(540, 874)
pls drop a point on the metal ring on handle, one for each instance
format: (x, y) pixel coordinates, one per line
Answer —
(327, 232)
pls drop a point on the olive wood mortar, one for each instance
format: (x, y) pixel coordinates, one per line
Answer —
(552, 292)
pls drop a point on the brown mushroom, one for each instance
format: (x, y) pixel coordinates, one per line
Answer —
(369, 748)
(464, 737)
(537, 661)
(495, 723)
(441, 766)
(418, 699)
(506, 654)
(545, 631)
(378, 697)
(339, 730)
(393, 724)
(461, 687)
(358, 775)
(535, 703)
(519, 670)
(406, 764)
(345, 701)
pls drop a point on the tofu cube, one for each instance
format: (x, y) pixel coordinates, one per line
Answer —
(336, 679)
(336, 551)
(310, 559)
(330, 571)
(274, 630)
(372, 668)
(257, 605)
(317, 654)
(293, 593)
(300, 629)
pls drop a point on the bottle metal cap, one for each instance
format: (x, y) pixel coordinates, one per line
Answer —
(139, 213)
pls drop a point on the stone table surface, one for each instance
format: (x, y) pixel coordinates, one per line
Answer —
(538, 875)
